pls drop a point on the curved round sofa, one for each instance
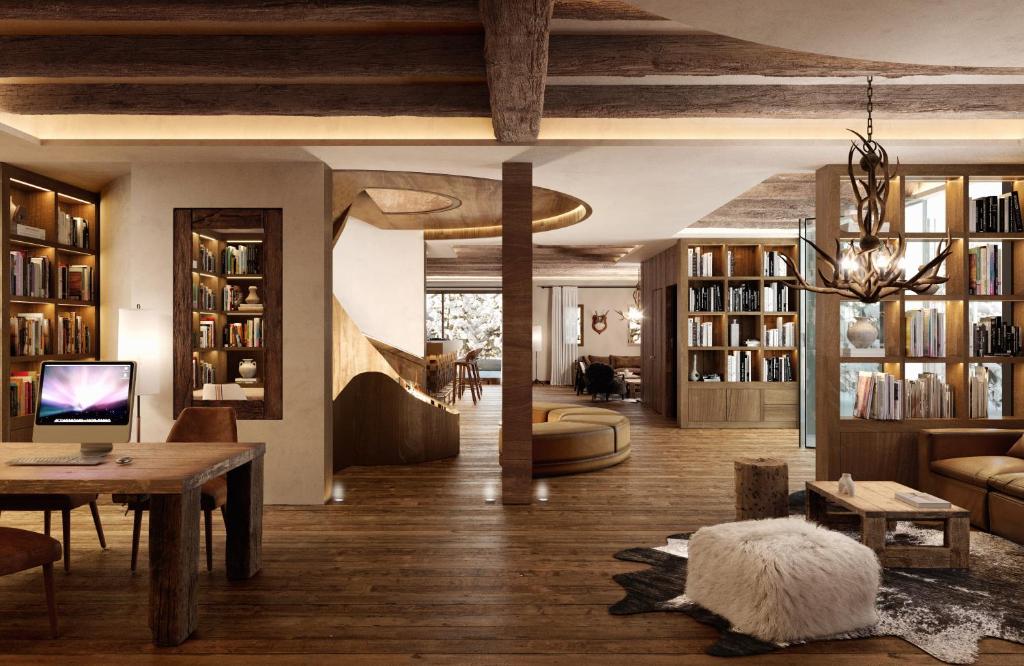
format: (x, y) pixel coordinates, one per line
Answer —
(571, 439)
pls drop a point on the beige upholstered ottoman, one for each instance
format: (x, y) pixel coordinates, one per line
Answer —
(783, 579)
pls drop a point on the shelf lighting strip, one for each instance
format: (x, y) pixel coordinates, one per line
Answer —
(32, 185)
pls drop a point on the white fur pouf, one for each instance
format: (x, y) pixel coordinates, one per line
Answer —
(783, 579)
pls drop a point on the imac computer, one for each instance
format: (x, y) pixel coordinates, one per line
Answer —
(85, 401)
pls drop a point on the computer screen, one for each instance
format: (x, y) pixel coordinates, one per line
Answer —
(85, 394)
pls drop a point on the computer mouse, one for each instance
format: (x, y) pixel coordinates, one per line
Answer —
(124, 460)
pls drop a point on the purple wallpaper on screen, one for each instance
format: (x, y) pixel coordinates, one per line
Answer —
(85, 394)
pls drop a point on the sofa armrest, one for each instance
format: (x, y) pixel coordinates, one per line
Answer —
(940, 444)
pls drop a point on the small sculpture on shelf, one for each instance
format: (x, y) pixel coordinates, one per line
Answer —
(863, 332)
(846, 485)
(253, 298)
(694, 375)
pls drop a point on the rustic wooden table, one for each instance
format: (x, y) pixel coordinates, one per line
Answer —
(171, 474)
(875, 503)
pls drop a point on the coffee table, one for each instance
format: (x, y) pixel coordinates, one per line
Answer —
(633, 387)
(876, 505)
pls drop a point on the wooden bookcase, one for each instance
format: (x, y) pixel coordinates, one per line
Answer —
(214, 230)
(41, 201)
(887, 450)
(733, 404)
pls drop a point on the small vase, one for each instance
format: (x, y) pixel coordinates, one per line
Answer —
(862, 333)
(247, 368)
(252, 298)
(694, 375)
(846, 486)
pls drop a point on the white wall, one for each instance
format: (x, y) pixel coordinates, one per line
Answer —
(137, 221)
(611, 341)
(378, 278)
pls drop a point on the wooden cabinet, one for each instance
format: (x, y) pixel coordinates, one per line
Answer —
(725, 405)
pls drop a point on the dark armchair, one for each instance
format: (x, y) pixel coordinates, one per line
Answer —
(602, 380)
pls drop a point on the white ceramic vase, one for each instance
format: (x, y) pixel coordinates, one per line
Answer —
(862, 333)
(694, 374)
(846, 486)
(247, 368)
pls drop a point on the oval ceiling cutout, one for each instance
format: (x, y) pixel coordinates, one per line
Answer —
(399, 201)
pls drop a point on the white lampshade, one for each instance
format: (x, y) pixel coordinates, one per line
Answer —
(538, 339)
(144, 336)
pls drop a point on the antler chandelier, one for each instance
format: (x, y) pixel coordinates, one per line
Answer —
(870, 268)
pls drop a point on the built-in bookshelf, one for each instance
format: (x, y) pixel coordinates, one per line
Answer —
(739, 333)
(51, 232)
(954, 354)
(227, 310)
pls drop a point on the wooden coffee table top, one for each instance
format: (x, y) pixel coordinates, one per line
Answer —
(878, 499)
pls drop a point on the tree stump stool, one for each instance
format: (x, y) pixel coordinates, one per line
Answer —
(762, 488)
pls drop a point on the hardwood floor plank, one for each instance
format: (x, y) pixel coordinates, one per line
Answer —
(415, 566)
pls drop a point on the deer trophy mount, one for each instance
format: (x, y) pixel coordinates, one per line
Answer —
(599, 322)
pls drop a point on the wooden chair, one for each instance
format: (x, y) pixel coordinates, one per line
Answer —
(50, 503)
(469, 375)
(194, 424)
(21, 550)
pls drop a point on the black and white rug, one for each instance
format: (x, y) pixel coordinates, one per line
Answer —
(943, 612)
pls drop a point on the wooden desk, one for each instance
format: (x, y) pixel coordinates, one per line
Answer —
(171, 474)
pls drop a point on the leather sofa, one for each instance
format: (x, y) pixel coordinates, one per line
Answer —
(571, 439)
(980, 469)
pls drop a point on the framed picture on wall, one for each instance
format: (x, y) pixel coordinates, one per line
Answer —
(579, 328)
(633, 331)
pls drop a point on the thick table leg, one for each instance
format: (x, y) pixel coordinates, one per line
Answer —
(817, 507)
(173, 560)
(958, 539)
(873, 534)
(244, 521)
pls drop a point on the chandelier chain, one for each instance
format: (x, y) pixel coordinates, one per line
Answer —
(871, 107)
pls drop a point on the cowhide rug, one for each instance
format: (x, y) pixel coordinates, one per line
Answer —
(943, 612)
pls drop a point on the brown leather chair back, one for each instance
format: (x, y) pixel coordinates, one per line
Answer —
(204, 424)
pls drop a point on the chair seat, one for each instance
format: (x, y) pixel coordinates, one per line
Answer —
(215, 494)
(20, 502)
(21, 549)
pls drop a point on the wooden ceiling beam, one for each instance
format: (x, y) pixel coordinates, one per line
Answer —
(516, 57)
(473, 100)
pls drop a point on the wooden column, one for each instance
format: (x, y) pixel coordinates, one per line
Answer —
(517, 318)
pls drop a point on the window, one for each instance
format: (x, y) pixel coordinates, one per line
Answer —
(471, 317)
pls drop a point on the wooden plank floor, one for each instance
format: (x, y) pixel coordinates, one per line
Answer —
(415, 566)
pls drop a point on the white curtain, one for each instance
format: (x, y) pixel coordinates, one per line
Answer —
(565, 314)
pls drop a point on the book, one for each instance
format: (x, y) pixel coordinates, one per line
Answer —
(29, 231)
(926, 333)
(920, 500)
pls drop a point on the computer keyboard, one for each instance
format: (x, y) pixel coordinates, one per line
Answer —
(56, 460)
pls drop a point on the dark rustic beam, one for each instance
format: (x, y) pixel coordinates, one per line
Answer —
(516, 332)
(516, 55)
(403, 57)
(826, 101)
(465, 100)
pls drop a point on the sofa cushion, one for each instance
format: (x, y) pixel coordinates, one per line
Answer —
(622, 362)
(554, 442)
(1008, 484)
(1017, 450)
(559, 414)
(615, 421)
(599, 359)
(541, 410)
(977, 470)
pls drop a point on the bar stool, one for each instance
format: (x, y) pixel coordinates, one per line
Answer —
(468, 374)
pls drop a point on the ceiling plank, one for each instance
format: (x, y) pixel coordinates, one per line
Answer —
(707, 54)
(778, 202)
(778, 101)
(516, 56)
(588, 263)
(404, 57)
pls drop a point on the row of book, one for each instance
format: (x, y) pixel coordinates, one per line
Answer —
(244, 334)
(699, 333)
(73, 231)
(75, 283)
(928, 397)
(30, 276)
(773, 264)
(882, 397)
(707, 298)
(242, 259)
(202, 297)
(74, 335)
(202, 373)
(977, 382)
(22, 388)
(985, 270)
(699, 264)
(776, 297)
(30, 334)
(207, 260)
(206, 337)
(926, 333)
(744, 298)
(992, 336)
(739, 366)
(777, 369)
(996, 214)
(783, 335)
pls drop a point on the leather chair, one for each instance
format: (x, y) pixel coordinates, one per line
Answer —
(50, 503)
(21, 550)
(601, 379)
(194, 424)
